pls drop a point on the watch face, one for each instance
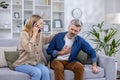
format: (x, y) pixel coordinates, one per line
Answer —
(76, 13)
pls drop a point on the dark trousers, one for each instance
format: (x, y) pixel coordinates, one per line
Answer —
(60, 65)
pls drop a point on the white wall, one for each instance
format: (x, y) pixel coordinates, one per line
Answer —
(92, 10)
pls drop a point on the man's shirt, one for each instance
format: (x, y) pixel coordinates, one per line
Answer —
(68, 44)
(79, 43)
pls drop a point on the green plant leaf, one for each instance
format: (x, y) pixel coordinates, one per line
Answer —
(3, 4)
(104, 38)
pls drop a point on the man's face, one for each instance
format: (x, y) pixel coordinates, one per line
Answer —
(73, 30)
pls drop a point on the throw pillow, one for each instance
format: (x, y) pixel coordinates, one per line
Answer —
(3, 62)
(11, 57)
(82, 57)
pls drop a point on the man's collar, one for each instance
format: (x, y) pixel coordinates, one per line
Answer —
(76, 37)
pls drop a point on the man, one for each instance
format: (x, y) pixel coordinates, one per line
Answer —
(64, 49)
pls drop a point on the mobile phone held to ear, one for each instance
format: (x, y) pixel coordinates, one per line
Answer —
(35, 25)
(39, 30)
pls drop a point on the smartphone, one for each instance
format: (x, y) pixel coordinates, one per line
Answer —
(35, 24)
(39, 30)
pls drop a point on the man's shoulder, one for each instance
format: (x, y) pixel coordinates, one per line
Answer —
(79, 37)
(61, 34)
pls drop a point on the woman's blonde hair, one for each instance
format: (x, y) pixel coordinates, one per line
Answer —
(30, 23)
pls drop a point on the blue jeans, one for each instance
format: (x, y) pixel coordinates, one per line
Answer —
(37, 72)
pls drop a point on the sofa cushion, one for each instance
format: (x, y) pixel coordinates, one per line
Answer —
(83, 58)
(69, 75)
(7, 74)
(89, 74)
(3, 61)
(11, 57)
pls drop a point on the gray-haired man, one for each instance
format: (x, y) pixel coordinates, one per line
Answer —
(64, 49)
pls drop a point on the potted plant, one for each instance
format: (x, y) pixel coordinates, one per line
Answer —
(3, 4)
(104, 38)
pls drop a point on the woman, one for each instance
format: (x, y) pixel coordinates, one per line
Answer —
(31, 59)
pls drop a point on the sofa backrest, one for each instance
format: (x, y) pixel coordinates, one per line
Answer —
(45, 53)
(7, 45)
(8, 42)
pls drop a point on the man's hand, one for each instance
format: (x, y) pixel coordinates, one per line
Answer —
(95, 68)
(65, 50)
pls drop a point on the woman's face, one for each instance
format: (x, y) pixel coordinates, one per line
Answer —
(39, 24)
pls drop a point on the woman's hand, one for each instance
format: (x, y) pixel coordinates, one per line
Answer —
(35, 30)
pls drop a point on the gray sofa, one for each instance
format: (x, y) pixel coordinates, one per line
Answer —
(106, 66)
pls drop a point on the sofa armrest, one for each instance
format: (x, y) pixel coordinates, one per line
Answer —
(108, 64)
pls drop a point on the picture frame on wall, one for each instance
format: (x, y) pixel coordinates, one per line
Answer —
(46, 28)
(16, 15)
(57, 23)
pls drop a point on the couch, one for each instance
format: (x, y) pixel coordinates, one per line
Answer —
(106, 66)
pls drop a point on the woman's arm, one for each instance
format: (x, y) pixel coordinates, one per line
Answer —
(26, 43)
(47, 39)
